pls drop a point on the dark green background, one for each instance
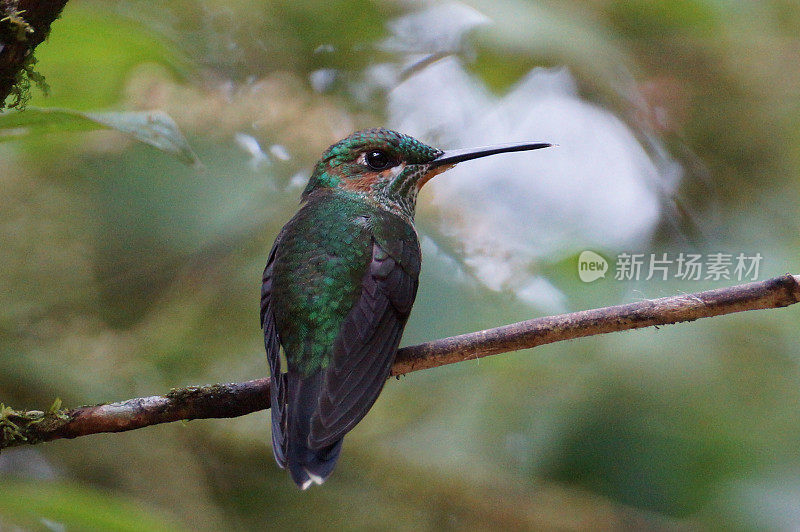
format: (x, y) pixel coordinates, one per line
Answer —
(125, 273)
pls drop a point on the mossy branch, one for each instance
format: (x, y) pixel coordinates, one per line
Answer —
(237, 399)
(24, 25)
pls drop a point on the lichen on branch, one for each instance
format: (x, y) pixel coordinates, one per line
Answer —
(20, 427)
(24, 24)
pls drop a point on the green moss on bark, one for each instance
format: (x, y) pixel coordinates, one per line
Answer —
(17, 35)
(20, 427)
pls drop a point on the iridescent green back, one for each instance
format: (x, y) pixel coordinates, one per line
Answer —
(321, 258)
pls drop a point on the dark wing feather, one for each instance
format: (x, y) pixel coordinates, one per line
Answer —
(365, 347)
(277, 383)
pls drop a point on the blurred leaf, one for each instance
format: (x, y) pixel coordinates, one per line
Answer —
(41, 505)
(155, 128)
(88, 57)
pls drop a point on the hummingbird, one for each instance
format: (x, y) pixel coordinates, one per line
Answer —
(338, 288)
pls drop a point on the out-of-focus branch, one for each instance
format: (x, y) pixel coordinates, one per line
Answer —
(24, 24)
(237, 399)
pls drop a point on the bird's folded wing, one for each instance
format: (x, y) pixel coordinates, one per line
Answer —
(277, 379)
(365, 348)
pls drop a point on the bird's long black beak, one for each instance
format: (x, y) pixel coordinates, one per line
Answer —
(452, 157)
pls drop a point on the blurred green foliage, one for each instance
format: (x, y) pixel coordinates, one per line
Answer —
(154, 128)
(63, 505)
(125, 273)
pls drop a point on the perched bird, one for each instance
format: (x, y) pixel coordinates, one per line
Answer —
(338, 288)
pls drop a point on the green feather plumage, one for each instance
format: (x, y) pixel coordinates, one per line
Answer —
(321, 258)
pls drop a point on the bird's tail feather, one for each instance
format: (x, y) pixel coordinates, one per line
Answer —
(311, 466)
(306, 466)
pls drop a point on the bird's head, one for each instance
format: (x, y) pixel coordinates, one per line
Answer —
(388, 167)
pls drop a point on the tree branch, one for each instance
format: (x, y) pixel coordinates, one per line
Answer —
(24, 25)
(237, 399)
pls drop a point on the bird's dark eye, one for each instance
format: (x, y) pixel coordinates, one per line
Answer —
(378, 160)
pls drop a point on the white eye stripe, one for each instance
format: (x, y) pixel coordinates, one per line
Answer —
(394, 171)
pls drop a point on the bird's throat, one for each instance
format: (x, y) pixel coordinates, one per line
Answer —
(433, 172)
